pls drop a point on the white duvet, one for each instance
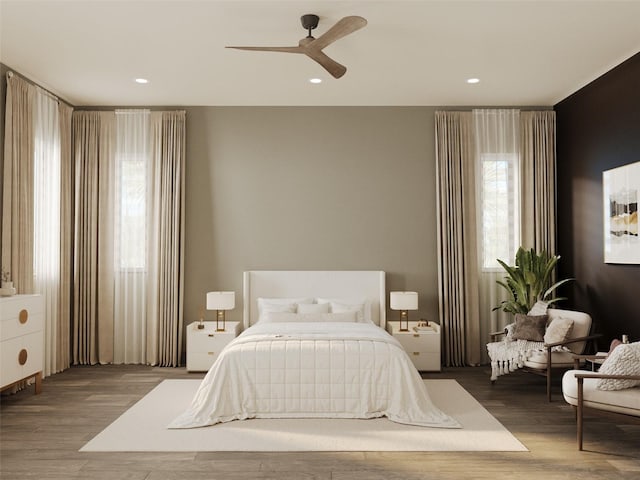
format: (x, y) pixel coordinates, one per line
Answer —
(313, 370)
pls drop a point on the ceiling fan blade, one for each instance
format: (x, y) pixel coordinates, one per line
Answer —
(330, 65)
(272, 49)
(342, 28)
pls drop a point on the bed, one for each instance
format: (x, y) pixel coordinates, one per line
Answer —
(313, 346)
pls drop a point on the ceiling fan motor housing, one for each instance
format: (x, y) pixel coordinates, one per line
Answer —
(309, 21)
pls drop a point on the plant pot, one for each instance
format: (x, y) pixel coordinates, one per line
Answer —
(7, 289)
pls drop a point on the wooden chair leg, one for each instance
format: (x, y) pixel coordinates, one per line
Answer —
(38, 386)
(549, 374)
(580, 412)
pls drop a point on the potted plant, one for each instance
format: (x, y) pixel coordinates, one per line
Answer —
(6, 284)
(529, 281)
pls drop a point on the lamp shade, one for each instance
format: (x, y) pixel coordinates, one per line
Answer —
(221, 300)
(403, 300)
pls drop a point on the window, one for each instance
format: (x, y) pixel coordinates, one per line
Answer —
(132, 221)
(46, 189)
(500, 201)
(132, 177)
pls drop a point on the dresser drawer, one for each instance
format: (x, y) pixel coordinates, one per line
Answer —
(20, 315)
(11, 306)
(201, 362)
(425, 361)
(419, 342)
(21, 357)
(210, 341)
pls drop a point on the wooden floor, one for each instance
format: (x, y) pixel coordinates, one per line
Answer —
(40, 437)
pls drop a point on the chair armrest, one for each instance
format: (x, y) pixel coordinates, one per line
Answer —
(605, 376)
(577, 358)
(495, 335)
(589, 357)
(574, 340)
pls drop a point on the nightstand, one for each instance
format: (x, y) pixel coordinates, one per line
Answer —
(423, 346)
(204, 346)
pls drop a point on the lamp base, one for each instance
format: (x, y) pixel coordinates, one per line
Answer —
(200, 326)
(220, 321)
(404, 320)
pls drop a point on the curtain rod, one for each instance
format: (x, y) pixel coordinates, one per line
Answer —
(11, 73)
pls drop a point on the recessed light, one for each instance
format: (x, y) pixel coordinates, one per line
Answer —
(473, 80)
(315, 80)
(142, 80)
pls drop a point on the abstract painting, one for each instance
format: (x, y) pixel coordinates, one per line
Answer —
(620, 187)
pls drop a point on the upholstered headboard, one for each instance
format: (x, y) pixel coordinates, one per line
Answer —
(366, 285)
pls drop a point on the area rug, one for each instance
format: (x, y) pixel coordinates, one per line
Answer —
(142, 428)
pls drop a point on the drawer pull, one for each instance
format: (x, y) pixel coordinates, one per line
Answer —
(22, 357)
(416, 335)
(23, 316)
(211, 353)
(416, 353)
(211, 335)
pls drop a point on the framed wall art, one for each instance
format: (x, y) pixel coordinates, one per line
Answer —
(620, 188)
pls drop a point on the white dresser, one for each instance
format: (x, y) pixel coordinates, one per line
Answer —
(422, 346)
(21, 339)
(204, 345)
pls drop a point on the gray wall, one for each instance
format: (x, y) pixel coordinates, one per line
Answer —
(310, 188)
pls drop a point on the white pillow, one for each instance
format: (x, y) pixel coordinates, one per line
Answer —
(313, 308)
(623, 360)
(539, 308)
(357, 308)
(284, 317)
(558, 330)
(340, 317)
(278, 317)
(280, 300)
(266, 305)
(339, 305)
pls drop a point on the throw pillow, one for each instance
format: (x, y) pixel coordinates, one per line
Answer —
(508, 332)
(623, 360)
(539, 308)
(313, 308)
(614, 343)
(558, 330)
(530, 327)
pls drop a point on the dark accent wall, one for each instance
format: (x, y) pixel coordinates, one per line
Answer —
(598, 128)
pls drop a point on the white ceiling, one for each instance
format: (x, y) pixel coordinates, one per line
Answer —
(411, 52)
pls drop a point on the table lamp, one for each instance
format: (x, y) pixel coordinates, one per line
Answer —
(221, 301)
(404, 301)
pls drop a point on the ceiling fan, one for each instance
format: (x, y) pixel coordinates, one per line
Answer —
(312, 47)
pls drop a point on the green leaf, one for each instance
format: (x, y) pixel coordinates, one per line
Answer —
(529, 280)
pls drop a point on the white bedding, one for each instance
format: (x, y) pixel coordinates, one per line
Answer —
(313, 370)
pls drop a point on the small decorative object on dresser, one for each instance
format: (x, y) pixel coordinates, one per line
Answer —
(204, 345)
(403, 301)
(21, 340)
(221, 301)
(421, 343)
(6, 285)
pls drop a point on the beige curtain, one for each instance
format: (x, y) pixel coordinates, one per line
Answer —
(126, 312)
(17, 190)
(538, 155)
(63, 358)
(25, 148)
(456, 230)
(168, 153)
(93, 247)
